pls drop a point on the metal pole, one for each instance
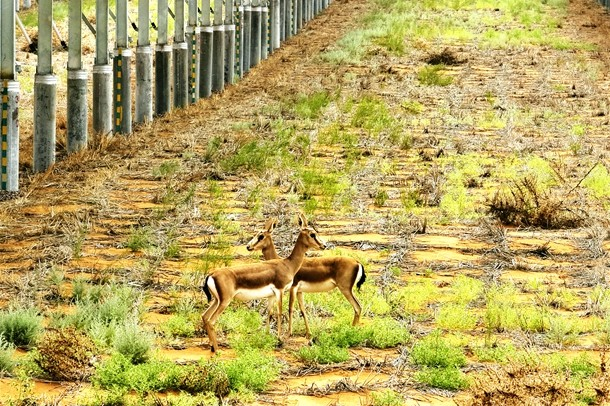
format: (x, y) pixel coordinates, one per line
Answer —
(255, 36)
(9, 123)
(102, 73)
(264, 32)
(275, 25)
(229, 74)
(45, 92)
(205, 66)
(246, 37)
(288, 22)
(144, 66)
(193, 35)
(163, 56)
(181, 64)
(283, 20)
(218, 40)
(77, 119)
(122, 72)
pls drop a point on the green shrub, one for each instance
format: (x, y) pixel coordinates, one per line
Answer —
(433, 351)
(431, 75)
(385, 332)
(495, 353)
(341, 335)
(465, 289)
(311, 106)
(117, 372)
(253, 340)
(178, 325)
(251, 370)
(139, 239)
(387, 397)
(133, 343)
(6, 356)
(323, 354)
(20, 327)
(449, 378)
(372, 115)
(456, 317)
(66, 355)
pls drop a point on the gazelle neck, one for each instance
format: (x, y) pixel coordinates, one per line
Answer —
(269, 251)
(297, 255)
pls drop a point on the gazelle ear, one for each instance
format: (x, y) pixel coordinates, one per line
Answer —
(302, 220)
(270, 224)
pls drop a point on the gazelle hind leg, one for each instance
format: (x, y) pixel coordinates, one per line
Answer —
(211, 321)
(349, 295)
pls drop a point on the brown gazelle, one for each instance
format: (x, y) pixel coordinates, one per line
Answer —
(316, 275)
(267, 279)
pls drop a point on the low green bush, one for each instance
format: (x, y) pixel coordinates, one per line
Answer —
(434, 351)
(323, 354)
(179, 325)
(449, 378)
(385, 332)
(117, 372)
(133, 342)
(6, 356)
(251, 370)
(20, 327)
(387, 397)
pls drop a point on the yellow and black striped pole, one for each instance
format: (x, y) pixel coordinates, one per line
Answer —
(118, 87)
(4, 139)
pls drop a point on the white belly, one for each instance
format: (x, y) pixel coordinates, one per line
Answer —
(325, 286)
(252, 294)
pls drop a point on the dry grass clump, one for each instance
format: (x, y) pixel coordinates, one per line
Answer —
(66, 355)
(526, 203)
(521, 385)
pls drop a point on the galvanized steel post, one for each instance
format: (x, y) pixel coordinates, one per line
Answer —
(218, 51)
(229, 74)
(255, 35)
(288, 21)
(205, 66)
(163, 57)
(264, 31)
(247, 36)
(9, 93)
(77, 119)
(102, 73)
(181, 64)
(45, 92)
(275, 24)
(144, 64)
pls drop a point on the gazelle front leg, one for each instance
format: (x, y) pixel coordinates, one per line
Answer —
(279, 313)
(302, 308)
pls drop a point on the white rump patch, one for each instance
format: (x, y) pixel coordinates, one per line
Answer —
(258, 293)
(324, 286)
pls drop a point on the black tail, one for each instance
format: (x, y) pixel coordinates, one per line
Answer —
(205, 288)
(362, 278)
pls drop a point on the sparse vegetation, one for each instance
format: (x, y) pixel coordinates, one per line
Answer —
(452, 147)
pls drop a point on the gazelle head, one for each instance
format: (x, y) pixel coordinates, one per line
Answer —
(309, 235)
(262, 239)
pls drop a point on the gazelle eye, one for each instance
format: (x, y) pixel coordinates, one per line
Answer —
(260, 237)
(312, 235)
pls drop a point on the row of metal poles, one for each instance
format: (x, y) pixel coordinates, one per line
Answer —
(214, 46)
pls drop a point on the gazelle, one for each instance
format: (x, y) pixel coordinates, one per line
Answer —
(267, 279)
(316, 275)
